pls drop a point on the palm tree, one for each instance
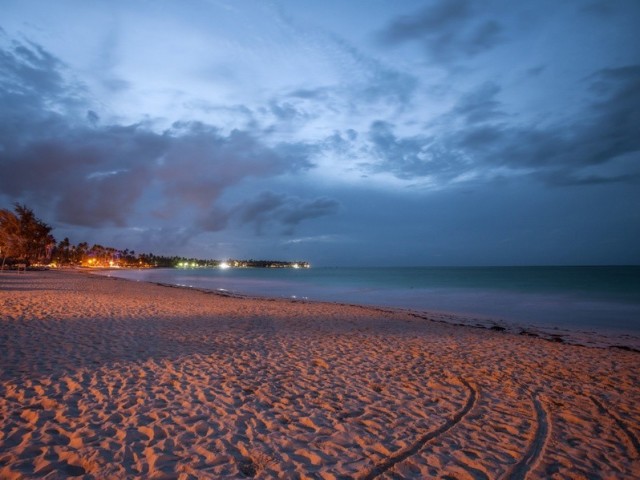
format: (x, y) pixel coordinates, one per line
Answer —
(80, 252)
(37, 240)
(11, 244)
(63, 252)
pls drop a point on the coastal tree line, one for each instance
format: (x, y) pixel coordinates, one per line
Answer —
(25, 239)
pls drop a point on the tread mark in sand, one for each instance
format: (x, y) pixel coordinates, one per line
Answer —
(424, 439)
(520, 470)
(632, 438)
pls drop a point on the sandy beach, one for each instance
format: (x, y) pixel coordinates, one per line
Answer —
(109, 378)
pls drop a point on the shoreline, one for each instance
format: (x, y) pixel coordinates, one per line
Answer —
(593, 337)
(102, 377)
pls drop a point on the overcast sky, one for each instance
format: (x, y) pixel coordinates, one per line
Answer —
(372, 132)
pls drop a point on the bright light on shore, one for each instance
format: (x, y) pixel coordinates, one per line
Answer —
(295, 265)
(224, 265)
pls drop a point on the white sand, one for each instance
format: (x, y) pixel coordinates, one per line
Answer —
(107, 378)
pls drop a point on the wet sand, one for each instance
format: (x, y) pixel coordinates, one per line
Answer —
(108, 378)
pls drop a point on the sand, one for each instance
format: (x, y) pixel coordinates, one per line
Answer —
(108, 378)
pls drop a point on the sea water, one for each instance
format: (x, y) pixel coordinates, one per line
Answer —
(597, 298)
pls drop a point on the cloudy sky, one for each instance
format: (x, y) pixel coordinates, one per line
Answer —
(372, 132)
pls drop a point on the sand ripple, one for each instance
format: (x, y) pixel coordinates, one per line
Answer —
(105, 378)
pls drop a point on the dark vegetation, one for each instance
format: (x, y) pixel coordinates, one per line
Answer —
(27, 240)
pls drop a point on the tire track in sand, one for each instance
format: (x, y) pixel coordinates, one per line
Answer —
(520, 470)
(632, 438)
(427, 437)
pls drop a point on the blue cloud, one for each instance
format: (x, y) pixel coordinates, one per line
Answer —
(270, 208)
(449, 30)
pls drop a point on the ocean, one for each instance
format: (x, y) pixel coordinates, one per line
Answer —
(586, 298)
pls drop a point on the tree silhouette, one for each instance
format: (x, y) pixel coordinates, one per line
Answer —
(63, 252)
(10, 238)
(36, 235)
(80, 252)
(24, 236)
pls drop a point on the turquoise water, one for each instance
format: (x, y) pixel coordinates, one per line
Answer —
(584, 298)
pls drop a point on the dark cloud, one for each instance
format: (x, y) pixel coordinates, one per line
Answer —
(340, 143)
(483, 37)
(286, 112)
(95, 177)
(271, 208)
(297, 212)
(448, 29)
(208, 107)
(604, 132)
(608, 80)
(93, 118)
(34, 92)
(614, 128)
(107, 199)
(200, 162)
(214, 220)
(442, 15)
(91, 174)
(475, 137)
(411, 157)
(28, 69)
(480, 105)
(403, 157)
(165, 240)
(321, 93)
(569, 178)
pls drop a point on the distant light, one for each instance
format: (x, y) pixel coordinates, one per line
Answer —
(224, 265)
(295, 265)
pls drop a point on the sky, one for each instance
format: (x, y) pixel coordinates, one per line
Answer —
(361, 133)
